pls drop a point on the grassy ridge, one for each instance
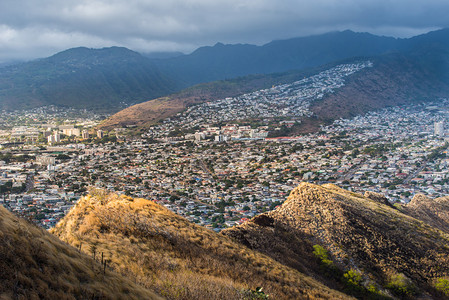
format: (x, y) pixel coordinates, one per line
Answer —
(357, 234)
(36, 265)
(176, 258)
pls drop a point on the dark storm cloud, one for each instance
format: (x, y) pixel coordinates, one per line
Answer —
(30, 28)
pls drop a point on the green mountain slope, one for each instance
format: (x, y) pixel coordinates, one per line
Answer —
(229, 61)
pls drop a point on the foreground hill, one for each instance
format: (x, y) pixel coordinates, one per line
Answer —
(101, 79)
(379, 247)
(432, 211)
(36, 265)
(178, 259)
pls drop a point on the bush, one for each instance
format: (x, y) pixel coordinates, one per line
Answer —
(256, 294)
(442, 285)
(322, 255)
(352, 277)
(400, 285)
(327, 265)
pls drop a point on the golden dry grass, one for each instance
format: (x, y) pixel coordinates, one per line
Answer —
(359, 233)
(36, 265)
(176, 258)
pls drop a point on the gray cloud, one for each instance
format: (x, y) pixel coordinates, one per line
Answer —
(31, 29)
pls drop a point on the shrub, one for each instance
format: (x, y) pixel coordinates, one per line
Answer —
(256, 294)
(352, 281)
(326, 263)
(400, 285)
(322, 255)
(442, 285)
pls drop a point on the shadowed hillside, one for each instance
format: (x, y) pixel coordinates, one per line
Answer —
(36, 265)
(432, 211)
(394, 80)
(101, 79)
(153, 111)
(354, 237)
(176, 258)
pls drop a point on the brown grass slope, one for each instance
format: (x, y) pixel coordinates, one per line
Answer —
(36, 265)
(176, 258)
(434, 212)
(359, 233)
(152, 111)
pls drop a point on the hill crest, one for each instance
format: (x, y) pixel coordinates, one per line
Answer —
(378, 241)
(178, 259)
(36, 265)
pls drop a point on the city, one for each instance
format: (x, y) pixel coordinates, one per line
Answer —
(216, 182)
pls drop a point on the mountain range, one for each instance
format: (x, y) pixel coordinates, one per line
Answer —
(109, 79)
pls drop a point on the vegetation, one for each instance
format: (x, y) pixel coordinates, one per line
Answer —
(36, 265)
(401, 286)
(326, 263)
(176, 258)
(442, 285)
(256, 294)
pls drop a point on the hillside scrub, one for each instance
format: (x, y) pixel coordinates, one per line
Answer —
(176, 258)
(36, 265)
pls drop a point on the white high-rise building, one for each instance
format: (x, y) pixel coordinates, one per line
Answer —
(57, 137)
(439, 128)
(54, 138)
(100, 134)
(85, 134)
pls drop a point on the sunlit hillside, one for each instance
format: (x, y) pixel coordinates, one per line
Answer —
(176, 258)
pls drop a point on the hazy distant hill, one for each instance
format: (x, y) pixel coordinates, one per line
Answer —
(100, 79)
(36, 265)
(388, 249)
(228, 61)
(415, 69)
(394, 79)
(110, 78)
(150, 112)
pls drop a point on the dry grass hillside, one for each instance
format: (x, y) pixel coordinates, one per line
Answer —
(176, 258)
(152, 111)
(432, 211)
(364, 246)
(36, 265)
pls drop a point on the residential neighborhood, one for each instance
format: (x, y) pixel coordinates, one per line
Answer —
(209, 167)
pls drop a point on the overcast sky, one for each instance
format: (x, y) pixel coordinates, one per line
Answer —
(39, 28)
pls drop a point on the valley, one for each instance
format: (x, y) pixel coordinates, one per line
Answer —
(219, 183)
(322, 172)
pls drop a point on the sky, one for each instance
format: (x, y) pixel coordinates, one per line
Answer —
(32, 29)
